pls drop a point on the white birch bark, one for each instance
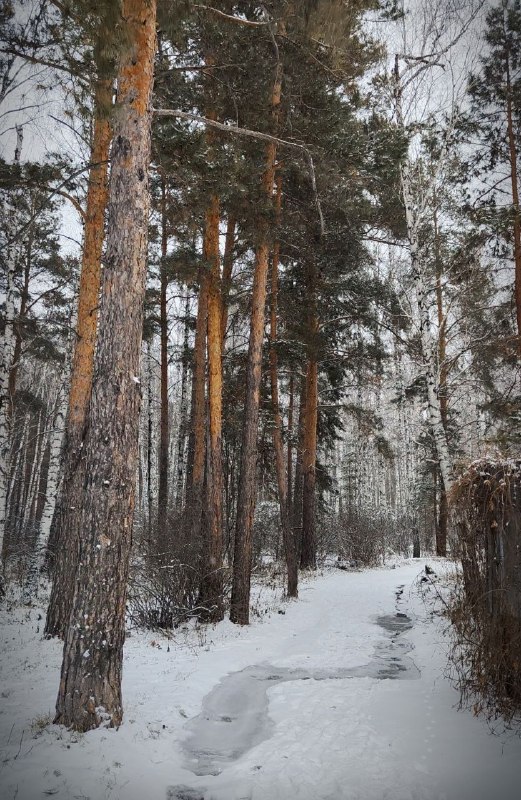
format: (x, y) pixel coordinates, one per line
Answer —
(429, 342)
(53, 475)
(7, 350)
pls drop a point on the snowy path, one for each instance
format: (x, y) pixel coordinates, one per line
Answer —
(298, 706)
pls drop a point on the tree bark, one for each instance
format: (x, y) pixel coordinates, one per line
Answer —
(63, 538)
(211, 596)
(183, 411)
(428, 342)
(197, 439)
(240, 602)
(5, 368)
(443, 518)
(299, 481)
(308, 554)
(278, 446)
(90, 684)
(164, 433)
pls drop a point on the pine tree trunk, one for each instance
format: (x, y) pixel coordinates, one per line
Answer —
(299, 478)
(278, 446)
(64, 530)
(164, 433)
(90, 685)
(242, 561)
(183, 411)
(308, 553)
(197, 440)
(5, 368)
(290, 445)
(211, 596)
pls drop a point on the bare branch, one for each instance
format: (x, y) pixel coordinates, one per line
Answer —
(230, 17)
(264, 137)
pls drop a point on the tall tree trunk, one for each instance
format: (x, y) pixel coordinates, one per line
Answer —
(211, 596)
(183, 410)
(278, 446)
(515, 203)
(427, 339)
(197, 439)
(5, 368)
(240, 602)
(90, 685)
(150, 467)
(443, 518)
(290, 444)
(308, 555)
(53, 474)
(163, 466)
(20, 317)
(64, 530)
(299, 481)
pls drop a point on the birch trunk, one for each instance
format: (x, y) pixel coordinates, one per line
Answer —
(428, 340)
(164, 432)
(90, 684)
(53, 480)
(5, 366)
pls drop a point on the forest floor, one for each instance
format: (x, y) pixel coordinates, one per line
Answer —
(341, 695)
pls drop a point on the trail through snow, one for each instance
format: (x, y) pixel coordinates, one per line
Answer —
(342, 697)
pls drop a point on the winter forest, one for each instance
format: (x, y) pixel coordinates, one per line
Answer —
(260, 399)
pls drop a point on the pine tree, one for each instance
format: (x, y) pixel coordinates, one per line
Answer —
(90, 685)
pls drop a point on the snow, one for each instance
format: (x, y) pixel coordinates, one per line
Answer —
(321, 722)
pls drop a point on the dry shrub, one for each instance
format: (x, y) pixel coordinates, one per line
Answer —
(486, 607)
(164, 579)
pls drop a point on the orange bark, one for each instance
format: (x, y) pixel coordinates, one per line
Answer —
(88, 297)
(62, 542)
(212, 583)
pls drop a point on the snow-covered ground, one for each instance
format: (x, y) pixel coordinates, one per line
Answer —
(310, 714)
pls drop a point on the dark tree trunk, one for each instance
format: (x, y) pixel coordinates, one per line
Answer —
(299, 480)
(278, 446)
(90, 684)
(197, 439)
(183, 411)
(308, 553)
(240, 602)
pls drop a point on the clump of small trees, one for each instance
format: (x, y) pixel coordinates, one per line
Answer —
(486, 607)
